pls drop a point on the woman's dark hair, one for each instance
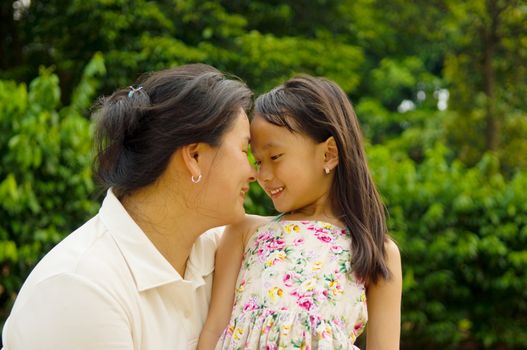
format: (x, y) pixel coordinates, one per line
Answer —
(139, 128)
(318, 108)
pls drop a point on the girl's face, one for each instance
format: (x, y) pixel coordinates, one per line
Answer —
(290, 167)
(226, 182)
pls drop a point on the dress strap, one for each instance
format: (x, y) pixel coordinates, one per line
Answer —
(278, 217)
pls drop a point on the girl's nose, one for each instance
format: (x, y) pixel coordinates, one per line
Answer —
(263, 174)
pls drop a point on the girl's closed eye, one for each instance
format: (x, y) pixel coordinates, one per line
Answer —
(276, 156)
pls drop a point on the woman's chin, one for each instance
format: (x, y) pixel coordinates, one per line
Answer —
(235, 217)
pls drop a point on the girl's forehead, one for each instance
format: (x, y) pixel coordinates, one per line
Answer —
(264, 147)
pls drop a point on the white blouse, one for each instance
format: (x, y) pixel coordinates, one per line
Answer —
(106, 286)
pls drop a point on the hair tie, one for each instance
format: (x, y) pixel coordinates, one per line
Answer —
(133, 90)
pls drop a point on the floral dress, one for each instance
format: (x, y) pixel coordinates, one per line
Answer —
(295, 290)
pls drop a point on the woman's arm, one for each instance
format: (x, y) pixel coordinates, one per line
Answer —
(228, 261)
(384, 305)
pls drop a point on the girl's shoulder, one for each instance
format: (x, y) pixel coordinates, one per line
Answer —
(252, 223)
(246, 227)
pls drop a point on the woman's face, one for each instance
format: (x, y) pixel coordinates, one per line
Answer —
(226, 182)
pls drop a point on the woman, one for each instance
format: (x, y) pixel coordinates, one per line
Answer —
(173, 153)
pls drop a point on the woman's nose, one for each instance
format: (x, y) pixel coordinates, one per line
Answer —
(252, 174)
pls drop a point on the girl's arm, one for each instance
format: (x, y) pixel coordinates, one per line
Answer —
(228, 262)
(384, 305)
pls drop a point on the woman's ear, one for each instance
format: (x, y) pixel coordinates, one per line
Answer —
(191, 154)
(331, 154)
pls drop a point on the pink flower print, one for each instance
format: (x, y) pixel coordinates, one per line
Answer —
(305, 303)
(339, 323)
(357, 327)
(326, 333)
(267, 312)
(298, 241)
(314, 320)
(250, 306)
(336, 249)
(270, 347)
(288, 280)
(276, 244)
(324, 237)
(335, 287)
(267, 328)
(337, 290)
(260, 252)
(312, 227)
(263, 237)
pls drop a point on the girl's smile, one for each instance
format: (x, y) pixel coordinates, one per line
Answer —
(275, 192)
(290, 167)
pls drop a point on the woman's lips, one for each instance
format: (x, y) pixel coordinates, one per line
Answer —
(244, 191)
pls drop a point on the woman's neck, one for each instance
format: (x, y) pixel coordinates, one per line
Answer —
(169, 224)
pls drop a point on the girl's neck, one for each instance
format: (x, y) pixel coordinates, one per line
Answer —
(170, 225)
(313, 213)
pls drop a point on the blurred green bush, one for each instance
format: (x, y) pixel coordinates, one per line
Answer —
(462, 230)
(46, 187)
(463, 238)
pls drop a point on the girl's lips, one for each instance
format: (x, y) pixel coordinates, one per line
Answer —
(275, 191)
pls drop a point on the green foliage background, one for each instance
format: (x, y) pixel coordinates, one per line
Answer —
(454, 180)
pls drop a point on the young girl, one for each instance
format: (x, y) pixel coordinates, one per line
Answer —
(311, 277)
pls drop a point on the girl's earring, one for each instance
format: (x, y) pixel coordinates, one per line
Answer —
(196, 180)
(326, 170)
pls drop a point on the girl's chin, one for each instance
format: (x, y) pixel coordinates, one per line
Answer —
(281, 208)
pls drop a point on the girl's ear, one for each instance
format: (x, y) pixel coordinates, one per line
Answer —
(191, 156)
(331, 154)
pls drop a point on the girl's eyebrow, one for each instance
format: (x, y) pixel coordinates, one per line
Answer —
(269, 145)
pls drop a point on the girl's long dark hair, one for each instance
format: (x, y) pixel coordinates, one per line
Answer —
(319, 108)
